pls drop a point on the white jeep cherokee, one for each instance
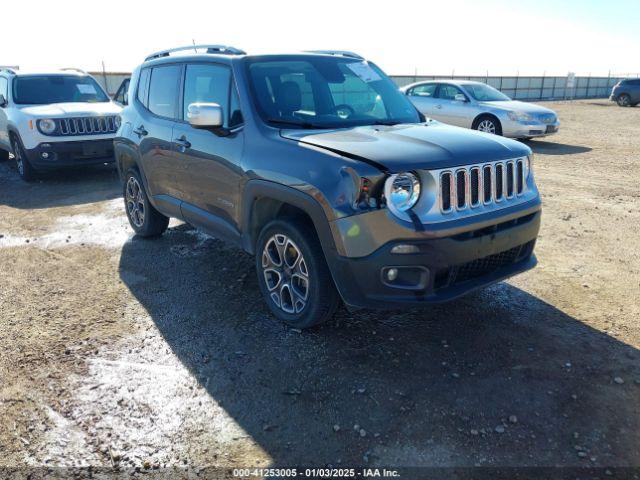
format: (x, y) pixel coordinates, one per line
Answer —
(55, 119)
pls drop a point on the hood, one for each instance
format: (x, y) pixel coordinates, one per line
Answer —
(430, 145)
(72, 109)
(517, 106)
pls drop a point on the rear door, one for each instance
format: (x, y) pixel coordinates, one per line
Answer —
(209, 161)
(452, 111)
(155, 132)
(423, 97)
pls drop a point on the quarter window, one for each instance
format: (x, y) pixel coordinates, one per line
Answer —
(143, 86)
(163, 98)
(3, 87)
(207, 84)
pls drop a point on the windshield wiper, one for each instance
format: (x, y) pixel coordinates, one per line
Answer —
(294, 123)
(388, 123)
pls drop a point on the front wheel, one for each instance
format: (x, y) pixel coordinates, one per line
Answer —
(488, 124)
(145, 220)
(25, 170)
(293, 274)
(624, 100)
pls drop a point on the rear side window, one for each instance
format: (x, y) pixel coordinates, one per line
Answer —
(163, 90)
(143, 86)
(207, 83)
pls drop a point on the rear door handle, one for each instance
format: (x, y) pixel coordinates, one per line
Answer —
(140, 131)
(183, 143)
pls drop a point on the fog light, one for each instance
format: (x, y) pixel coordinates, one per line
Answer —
(392, 274)
(44, 155)
(405, 248)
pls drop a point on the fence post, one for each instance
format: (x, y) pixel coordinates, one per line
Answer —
(588, 84)
(542, 84)
(553, 92)
(515, 92)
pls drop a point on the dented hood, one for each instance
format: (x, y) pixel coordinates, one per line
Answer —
(430, 145)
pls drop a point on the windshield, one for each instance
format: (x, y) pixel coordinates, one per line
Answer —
(45, 89)
(327, 92)
(485, 93)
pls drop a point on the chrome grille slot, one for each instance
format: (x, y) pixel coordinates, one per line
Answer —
(499, 182)
(520, 176)
(461, 189)
(474, 186)
(480, 186)
(487, 183)
(86, 125)
(510, 179)
(446, 189)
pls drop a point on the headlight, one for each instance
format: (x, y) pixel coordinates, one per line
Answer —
(402, 191)
(519, 116)
(47, 126)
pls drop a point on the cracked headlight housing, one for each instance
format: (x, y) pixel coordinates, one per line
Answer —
(402, 191)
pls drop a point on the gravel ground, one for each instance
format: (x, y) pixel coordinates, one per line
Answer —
(118, 351)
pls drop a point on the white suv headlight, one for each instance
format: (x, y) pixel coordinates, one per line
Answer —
(402, 191)
(47, 126)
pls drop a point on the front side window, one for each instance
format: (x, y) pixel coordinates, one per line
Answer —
(163, 90)
(326, 92)
(426, 90)
(448, 92)
(485, 93)
(46, 89)
(207, 83)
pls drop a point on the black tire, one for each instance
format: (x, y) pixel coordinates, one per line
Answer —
(4, 155)
(482, 124)
(322, 298)
(145, 220)
(623, 100)
(24, 167)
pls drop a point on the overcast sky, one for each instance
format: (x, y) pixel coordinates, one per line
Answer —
(402, 37)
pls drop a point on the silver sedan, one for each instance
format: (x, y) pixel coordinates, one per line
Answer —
(481, 107)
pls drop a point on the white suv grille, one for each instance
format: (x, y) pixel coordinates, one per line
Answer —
(471, 186)
(86, 125)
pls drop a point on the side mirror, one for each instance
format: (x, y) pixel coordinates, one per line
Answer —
(3, 101)
(460, 97)
(205, 115)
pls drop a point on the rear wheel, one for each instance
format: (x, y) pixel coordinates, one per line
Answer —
(25, 170)
(293, 274)
(488, 124)
(145, 220)
(624, 100)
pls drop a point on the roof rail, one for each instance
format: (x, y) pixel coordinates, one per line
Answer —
(219, 49)
(10, 71)
(341, 53)
(73, 69)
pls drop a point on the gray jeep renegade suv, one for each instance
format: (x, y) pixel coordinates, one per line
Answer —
(319, 166)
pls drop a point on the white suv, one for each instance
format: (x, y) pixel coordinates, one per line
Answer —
(55, 119)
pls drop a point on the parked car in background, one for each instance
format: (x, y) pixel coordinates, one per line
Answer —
(481, 107)
(626, 93)
(56, 119)
(316, 164)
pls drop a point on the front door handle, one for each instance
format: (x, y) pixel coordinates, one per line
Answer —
(140, 131)
(438, 106)
(183, 143)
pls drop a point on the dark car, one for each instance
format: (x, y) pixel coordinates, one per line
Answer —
(626, 93)
(319, 166)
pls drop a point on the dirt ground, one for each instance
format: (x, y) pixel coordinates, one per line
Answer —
(122, 352)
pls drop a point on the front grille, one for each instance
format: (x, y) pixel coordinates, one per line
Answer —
(86, 125)
(481, 266)
(474, 185)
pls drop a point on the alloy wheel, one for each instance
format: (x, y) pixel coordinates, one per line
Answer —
(487, 126)
(285, 274)
(135, 202)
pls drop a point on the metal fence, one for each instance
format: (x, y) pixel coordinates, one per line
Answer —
(533, 88)
(110, 81)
